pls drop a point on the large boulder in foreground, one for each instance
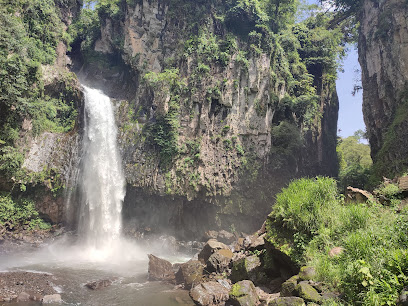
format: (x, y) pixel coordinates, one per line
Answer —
(209, 293)
(210, 248)
(190, 273)
(219, 261)
(244, 293)
(160, 269)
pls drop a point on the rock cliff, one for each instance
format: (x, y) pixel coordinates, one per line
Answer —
(383, 55)
(206, 131)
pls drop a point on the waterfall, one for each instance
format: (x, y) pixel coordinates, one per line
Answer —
(101, 181)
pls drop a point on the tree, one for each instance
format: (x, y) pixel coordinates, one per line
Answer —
(354, 160)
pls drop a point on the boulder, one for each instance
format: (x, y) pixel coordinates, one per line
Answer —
(239, 245)
(249, 267)
(289, 287)
(160, 269)
(209, 293)
(244, 293)
(336, 251)
(355, 195)
(308, 293)
(210, 247)
(257, 243)
(219, 261)
(99, 284)
(403, 183)
(403, 298)
(210, 235)
(307, 273)
(287, 301)
(226, 237)
(52, 298)
(190, 273)
(23, 297)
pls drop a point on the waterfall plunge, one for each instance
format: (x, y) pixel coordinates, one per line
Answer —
(102, 181)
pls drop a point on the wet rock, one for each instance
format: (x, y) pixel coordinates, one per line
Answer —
(219, 261)
(226, 237)
(160, 269)
(36, 297)
(287, 301)
(210, 247)
(23, 297)
(209, 293)
(190, 273)
(53, 298)
(249, 268)
(99, 284)
(308, 293)
(307, 273)
(244, 293)
(289, 287)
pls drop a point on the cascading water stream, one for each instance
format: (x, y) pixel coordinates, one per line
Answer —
(102, 181)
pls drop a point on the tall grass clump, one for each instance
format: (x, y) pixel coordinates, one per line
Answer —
(310, 218)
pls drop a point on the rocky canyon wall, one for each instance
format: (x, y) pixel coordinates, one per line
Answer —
(383, 55)
(206, 137)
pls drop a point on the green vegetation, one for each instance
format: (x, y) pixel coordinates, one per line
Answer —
(29, 34)
(20, 214)
(354, 161)
(310, 218)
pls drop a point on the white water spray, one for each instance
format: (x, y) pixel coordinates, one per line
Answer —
(102, 181)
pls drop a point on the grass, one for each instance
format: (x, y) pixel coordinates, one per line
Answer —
(312, 218)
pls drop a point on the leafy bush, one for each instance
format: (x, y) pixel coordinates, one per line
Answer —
(310, 218)
(20, 214)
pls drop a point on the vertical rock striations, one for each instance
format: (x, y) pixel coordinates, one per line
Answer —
(383, 55)
(210, 128)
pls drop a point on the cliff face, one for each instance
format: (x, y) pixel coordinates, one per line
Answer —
(383, 55)
(206, 135)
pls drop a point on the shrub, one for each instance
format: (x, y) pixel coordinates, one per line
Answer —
(20, 214)
(310, 218)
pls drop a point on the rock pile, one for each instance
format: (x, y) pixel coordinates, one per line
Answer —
(246, 271)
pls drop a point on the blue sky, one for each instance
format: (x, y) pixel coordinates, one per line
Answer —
(350, 114)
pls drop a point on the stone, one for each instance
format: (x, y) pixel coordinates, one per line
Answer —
(249, 268)
(190, 273)
(403, 298)
(403, 183)
(210, 247)
(289, 287)
(355, 195)
(257, 243)
(307, 273)
(210, 235)
(336, 251)
(219, 261)
(226, 237)
(244, 293)
(308, 293)
(99, 284)
(160, 269)
(52, 298)
(287, 301)
(23, 297)
(36, 297)
(209, 293)
(238, 245)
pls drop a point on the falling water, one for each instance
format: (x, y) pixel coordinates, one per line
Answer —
(102, 181)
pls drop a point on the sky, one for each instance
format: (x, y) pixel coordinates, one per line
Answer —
(350, 113)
